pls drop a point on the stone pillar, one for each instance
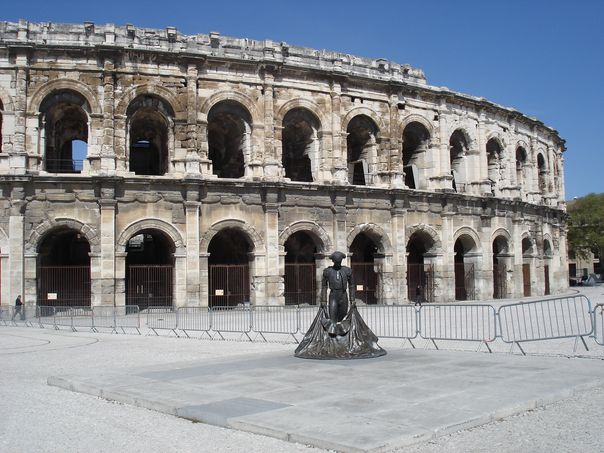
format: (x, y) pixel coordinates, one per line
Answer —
(105, 272)
(192, 211)
(107, 154)
(338, 161)
(192, 159)
(395, 163)
(21, 282)
(272, 165)
(441, 165)
(180, 277)
(18, 159)
(399, 251)
(120, 278)
(204, 279)
(516, 289)
(446, 267)
(274, 282)
(482, 177)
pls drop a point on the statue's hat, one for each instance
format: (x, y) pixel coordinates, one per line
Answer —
(337, 256)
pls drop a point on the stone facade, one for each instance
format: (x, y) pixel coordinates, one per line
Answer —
(191, 141)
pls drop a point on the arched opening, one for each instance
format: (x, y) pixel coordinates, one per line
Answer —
(63, 269)
(521, 161)
(300, 144)
(64, 117)
(229, 269)
(420, 272)
(229, 138)
(364, 250)
(148, 119)
(360, 144)
(300, 269)
(500, 258)
(542, 168)
(415, 143)
(494, 155)
(527, 257)
(150, 269)
(458, 149)
(464, 268)
(547, 257)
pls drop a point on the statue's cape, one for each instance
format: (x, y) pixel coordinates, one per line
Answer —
(349, 339)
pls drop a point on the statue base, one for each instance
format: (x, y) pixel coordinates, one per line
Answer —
(349, 339)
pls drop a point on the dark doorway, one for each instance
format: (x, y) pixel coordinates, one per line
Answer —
(300, 270)
(500, 248)
(415, 142)
(464, 271)
(149, 270)
(364, 250)
(64, 269)
(527, 255)
(229, 270)
(420, 275)
(362, 136)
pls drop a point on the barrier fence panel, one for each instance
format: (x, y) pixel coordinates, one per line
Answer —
(598, 319)
(275, 319)
(161, 318)
(128, 317)
(563, 317)
(45, 316)
(231, 319)
(306, 315)
(194, 319)
(390, 321)
(81, 318)
(6, 314)
(63, 317)
(458, 322)
(103, 317)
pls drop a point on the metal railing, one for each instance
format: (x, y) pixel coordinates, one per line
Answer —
(562, 317)
(598, 320)
(458, 322)
(516, 323)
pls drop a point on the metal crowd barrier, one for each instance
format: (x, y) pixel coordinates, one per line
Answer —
(598, 320)
(6, 314)
(391, 321)
(162, 318)
(280, 319)
(231, 320)
(561, 317)
(194, 319)
(458, 322)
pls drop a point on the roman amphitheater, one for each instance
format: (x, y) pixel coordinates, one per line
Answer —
(146, 167)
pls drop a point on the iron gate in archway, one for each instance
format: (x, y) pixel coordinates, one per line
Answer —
(150, 285)
(229, 284)
(300, 283)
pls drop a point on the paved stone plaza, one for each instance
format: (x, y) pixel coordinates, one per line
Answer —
(357, 405)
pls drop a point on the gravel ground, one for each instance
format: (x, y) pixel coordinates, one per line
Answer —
(37, 417)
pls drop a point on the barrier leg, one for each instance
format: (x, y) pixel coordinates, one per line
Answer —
(435, 345)
(577, 341)
(519, 347)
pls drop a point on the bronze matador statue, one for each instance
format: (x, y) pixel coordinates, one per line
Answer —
(338, 332)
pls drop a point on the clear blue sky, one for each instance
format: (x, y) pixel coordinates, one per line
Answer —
(544, 58)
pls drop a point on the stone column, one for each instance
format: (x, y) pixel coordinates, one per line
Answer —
(192, 159)
(106, 273)
(107, 155)
(446, 268)
(441, 165)
(338, 159)
(204, 276)
(482, 165)
(272, 165)
(192, 211)
(395, 163)
(274, 282)
(180, 277)
(120, 278)
(516, 289)
(21, 282)
(399, 251)
(18, 159)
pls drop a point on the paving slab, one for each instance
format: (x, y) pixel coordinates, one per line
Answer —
(367, 405)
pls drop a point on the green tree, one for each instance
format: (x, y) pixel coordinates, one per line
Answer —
(586, 225)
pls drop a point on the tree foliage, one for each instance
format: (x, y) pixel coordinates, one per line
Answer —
(586, 225)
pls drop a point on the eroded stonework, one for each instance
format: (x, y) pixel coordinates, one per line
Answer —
(125, 148)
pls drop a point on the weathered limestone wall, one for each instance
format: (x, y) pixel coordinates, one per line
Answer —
(113, 71)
